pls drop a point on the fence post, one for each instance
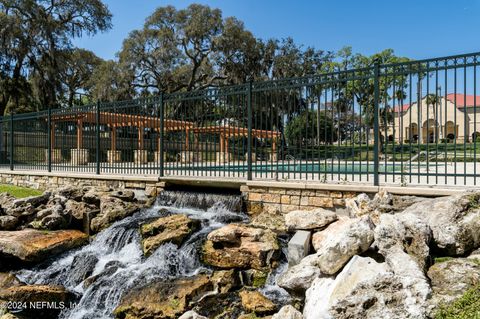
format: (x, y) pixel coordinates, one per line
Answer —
(249, 143)
(97, 140)
(160, 146)
(12, 149)
(376, 128)
(49, 140)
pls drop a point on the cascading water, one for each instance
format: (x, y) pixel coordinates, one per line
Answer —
(113, 262)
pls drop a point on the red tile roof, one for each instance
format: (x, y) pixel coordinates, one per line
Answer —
(462, 101)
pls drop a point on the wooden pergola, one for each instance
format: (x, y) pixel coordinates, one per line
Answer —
(114, 121)
(225, 132)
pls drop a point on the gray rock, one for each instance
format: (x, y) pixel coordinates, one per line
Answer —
(341, 241)
(406, 230)
(124, 194)
(8, 222)
(452, 278)
(191, 315)
(309, 219)
(454, 220)
(326, 291)
(112, 209)
(288, 312)
(386, 296)
(299, 277)
(298, 246)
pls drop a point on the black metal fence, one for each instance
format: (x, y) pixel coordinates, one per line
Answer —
(405, 123)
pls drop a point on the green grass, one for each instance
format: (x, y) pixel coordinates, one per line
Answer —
(465, 307)
(442, 259)
(19, 192)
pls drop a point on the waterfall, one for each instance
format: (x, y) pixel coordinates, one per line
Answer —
(115, 260)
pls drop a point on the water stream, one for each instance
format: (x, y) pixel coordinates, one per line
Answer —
(115, 260)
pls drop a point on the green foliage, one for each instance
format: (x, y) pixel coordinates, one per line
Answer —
(465, 307)
(19, 192)
(442, 259)
(310, 127)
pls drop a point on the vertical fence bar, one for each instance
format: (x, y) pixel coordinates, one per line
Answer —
(161, 137)
(49, 139)
(11, 142)
(249, 142)
(97, 138)
(376, 129)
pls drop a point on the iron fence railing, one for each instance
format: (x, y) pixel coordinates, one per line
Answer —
(403, 123)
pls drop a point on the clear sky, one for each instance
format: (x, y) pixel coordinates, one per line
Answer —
(413, 28)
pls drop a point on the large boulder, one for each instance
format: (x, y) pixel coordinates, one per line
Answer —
(309, 219)
(382, 203)
(240, 246)
(274, 222)
(407, 231)
(28, 294)
(288, 312)
(386, 296)
(30, 246)
(325, 292)
(454, 220)
(299, 278)
(173, 228)
(452, 278)
(112, 209)
(254, 301)
(340, 241)
(163, 299)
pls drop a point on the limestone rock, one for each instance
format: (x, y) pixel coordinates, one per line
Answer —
(308, 220)
(8, 280)
(72, 192)
(163, 299)
(191, 315)
(240, 246)
(340, 241)
(8, 222)
(256, 302)
(454, 220)
(326, 291)
(452, 278)
(30, 245)
(406, 230)
(274, 222)
(299, 277)
(288, 312)
(37, 293)
(124, 195)
(174, 228)
(112, 209)
(385, 296)
(78, 210)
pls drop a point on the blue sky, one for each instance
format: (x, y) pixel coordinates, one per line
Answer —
(416, 29)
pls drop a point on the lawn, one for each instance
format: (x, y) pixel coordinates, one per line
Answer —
(19, 192)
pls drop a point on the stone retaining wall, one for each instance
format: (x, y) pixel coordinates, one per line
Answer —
(284, 200)
(151, 186)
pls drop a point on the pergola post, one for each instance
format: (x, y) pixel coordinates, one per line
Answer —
(140, 154)
(79, 156)
(113, 155)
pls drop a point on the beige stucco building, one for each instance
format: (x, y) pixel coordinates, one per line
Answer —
(452, 117)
